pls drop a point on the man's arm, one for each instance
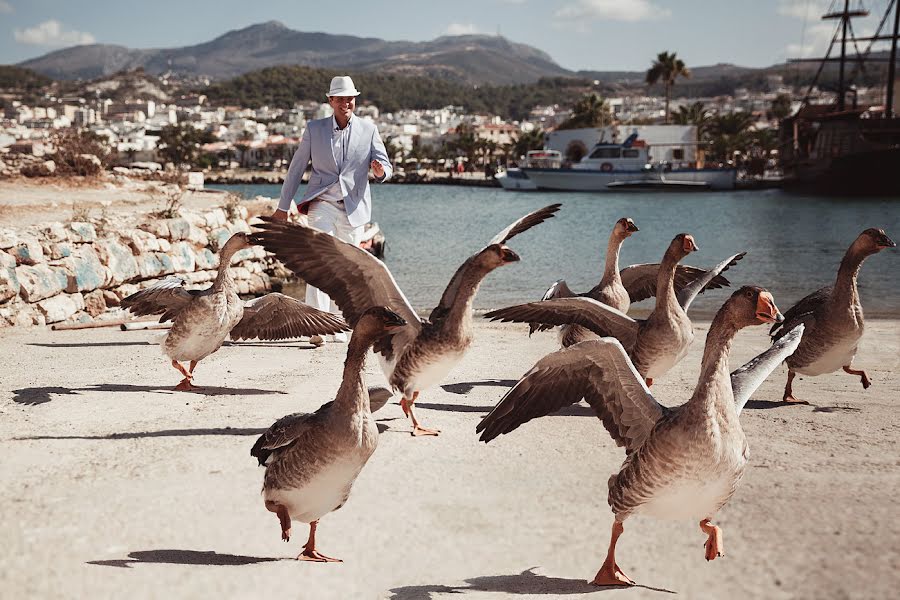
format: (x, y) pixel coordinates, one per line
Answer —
(379, 154)
(294, 175)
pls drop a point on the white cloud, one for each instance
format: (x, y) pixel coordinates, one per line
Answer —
(815, 42)
(461, 29)
(612, 10)
(801, 9)
(6, 7)
(51, 33)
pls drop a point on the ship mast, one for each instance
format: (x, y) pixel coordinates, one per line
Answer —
(889, 107)
(845, 16)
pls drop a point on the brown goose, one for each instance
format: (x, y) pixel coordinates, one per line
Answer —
(834, 318)
(654, 344)
(312, 459)
(619, 289)
(420, 354)
(681, 462)
(202, 319)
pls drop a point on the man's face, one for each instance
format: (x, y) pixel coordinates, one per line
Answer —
(343, 105)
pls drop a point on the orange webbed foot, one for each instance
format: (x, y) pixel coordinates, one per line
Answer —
(714, 546)
(611, 575)
(419, 431)
(313, 555)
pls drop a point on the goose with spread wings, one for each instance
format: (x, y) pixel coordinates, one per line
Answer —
(203, 319)
(654, 344)
(619, 289)
(313, 459)
(834, 319)
(420, 354)
(682, 462)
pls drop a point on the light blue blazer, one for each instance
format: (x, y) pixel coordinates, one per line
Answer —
(363, 146)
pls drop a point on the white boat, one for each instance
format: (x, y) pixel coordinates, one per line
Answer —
(618, 167)
(515, 178)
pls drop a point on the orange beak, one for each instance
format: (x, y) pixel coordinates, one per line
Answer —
(766, 311)
(689, 244)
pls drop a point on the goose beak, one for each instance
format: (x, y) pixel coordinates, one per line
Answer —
(631, 228)
(689, 244)
(766, 311)
(509, 256)
(886, 242)
(394, 321)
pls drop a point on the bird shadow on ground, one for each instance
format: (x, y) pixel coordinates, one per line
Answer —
(183, 557)
(837, 408)
(455, 407)
(767, 405)
(257, 344)
(468, 386)
(131, 435)
(41, 395)
(90, 344)
(526, 583)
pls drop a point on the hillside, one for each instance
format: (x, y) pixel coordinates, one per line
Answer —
(470, 58)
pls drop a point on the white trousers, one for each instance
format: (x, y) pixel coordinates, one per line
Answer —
(330, 219)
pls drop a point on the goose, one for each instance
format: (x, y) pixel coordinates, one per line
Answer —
(312, 459)
(423, 352)
(681, 462)
(834, 319)
(202, 319)
(654, 344)
(619, 289)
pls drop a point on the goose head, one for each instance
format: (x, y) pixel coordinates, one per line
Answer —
(496, 255)
(624, 227)
(752, 305)
(682, 245)
(238, 241)
(872, 241)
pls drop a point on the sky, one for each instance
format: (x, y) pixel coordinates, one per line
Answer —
(602, 35)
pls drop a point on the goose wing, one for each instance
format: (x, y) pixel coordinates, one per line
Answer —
(640, 280)
(519, 226)
(167, 297)
(277, 317)
(598, 371)
(354, 279)
(801, 312)
(286, 431)
(750, 376)
(687, 292)
(600, 318)
(559, 289)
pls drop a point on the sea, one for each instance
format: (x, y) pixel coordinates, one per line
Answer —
(794, 243)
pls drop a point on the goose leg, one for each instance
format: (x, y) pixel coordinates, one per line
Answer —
(610, 573)
(309, 549)
(191, 374)
(185, 384)
(864, 379)
(788, 390)
(283, 518)
(714, 545)
(418, 430)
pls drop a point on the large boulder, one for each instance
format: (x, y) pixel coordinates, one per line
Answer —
(60, 307)
(121, 262)
(82, 231)
(40, 281)
(84, 270)
(28, 251)
(179, 229)
(9, 284)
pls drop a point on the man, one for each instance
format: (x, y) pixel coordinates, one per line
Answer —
(342, 148)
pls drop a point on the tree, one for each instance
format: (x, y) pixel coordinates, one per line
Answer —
(180, 144)
(589, 111)
(695, 114)
(528, 140)
(729, 133)
(666, 68)
(781, 107)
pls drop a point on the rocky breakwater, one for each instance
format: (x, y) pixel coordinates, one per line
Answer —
(80, 271)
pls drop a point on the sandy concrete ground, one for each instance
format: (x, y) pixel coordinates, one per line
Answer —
(114, 486)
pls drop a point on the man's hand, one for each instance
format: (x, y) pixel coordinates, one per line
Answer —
(378, 169)
(280, 215)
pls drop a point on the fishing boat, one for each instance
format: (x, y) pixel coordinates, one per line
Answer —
(514, 178)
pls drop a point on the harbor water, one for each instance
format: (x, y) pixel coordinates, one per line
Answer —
(794, 243)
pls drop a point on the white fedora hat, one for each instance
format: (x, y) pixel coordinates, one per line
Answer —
(342, 85)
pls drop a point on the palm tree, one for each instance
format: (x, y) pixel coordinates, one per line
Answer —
(667, 67)
(528, 140)
(589, 111)
(728, 133)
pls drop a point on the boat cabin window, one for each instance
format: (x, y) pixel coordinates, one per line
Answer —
(606, 152)
(631, 153)
(678, 154)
